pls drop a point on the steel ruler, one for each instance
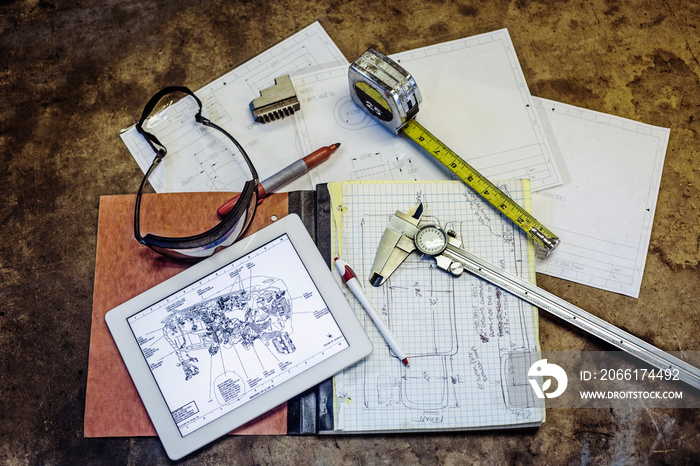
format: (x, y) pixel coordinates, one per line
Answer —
(404, 235)
(574, 315)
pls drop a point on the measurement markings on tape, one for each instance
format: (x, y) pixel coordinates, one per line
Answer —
(390, 94)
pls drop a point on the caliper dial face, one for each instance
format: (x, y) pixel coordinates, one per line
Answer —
(431, 240)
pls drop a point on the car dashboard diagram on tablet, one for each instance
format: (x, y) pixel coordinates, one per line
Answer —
(235, 334)
(262, 310)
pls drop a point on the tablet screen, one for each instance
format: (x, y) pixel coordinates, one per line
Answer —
(236, 333)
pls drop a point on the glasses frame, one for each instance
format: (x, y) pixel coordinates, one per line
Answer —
(231, 227)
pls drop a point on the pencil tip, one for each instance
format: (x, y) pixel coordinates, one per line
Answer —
(405, 361)
(337, 144)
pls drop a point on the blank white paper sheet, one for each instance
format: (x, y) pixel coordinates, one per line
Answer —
(603, 213)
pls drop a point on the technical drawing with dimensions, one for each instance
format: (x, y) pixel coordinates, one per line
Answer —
(475, 100)
(200, 160)
(236, 334)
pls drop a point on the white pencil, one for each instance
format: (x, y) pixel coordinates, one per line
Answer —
(353, 283)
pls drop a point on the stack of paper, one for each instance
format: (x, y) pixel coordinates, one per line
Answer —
(477, 101)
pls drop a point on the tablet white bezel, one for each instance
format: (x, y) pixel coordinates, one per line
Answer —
(177, 445)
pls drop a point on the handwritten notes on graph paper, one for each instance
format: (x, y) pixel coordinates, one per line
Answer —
(465, 339)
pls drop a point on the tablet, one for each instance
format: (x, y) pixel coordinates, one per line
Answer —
(236, 335)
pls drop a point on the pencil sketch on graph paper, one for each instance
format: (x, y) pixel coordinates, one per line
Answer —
(462, 336)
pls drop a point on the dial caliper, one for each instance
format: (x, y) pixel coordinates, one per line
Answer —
(403, 235)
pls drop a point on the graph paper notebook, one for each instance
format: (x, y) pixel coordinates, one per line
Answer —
(462, 335)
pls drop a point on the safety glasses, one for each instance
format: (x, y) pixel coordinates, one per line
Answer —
(232, 226)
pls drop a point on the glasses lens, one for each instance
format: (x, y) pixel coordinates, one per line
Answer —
(222, 161)
(231, 228)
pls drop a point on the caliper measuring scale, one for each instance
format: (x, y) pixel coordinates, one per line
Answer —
(446, 248)
(390, 94)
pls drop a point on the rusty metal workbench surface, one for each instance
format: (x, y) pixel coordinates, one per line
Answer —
(73, 74)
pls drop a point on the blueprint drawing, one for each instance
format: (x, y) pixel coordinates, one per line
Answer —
(201, 159)
(475, 100)
(604, 211)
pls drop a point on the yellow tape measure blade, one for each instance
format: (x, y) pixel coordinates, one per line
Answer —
(480, 184)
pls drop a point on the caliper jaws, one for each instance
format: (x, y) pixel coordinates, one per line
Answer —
(396, 243)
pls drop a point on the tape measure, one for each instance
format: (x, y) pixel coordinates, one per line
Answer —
(390, 94)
